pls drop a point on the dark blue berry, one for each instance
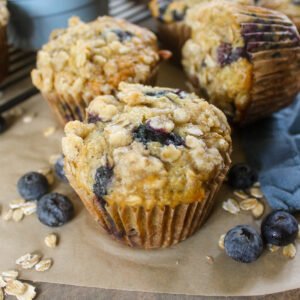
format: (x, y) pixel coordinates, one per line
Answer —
(91, 118)
(32, 186)
(59, 169)
(241, 176)
(146, 134)
(123, 35)
(226, 55)
(279, 228)
(102, 179)
(55, 210)
(2, 124)
(243, 244)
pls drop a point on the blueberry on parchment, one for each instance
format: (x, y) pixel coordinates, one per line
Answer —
(243, 244)
(55, 209)
(32, 186)
(241, 176)
(279, 228)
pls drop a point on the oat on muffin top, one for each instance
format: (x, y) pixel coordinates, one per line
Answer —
(147, 146)
(91, 59)
(3, 13)
(169, 11)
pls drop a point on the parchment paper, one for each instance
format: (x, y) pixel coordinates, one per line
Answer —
(88, 257)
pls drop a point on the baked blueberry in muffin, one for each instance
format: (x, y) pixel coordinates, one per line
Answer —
(154, 156)
(90, 59)
(245, 59)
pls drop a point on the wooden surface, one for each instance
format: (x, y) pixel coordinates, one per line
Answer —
(49, 291)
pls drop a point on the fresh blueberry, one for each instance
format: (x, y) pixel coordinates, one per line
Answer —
(2, 124)
(146, 134)
(241, 176)
(102, 178)
(32, 186)
(243, 244)
(279, 228)
(55, 210)
(59, 169)
(123, 35)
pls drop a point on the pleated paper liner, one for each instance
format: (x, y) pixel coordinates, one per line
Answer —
(173, 36)
(3, 53)
(67, 107)
(272, 43)
(154, 228)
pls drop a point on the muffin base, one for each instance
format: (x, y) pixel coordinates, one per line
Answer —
(173, 36)
(3, 53)
(158, 227)
(67, 108)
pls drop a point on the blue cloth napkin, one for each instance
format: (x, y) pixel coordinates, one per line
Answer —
(272, 148)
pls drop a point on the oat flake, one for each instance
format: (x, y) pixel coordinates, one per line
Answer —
(221, 241)
(240, 194)
(272, 248)
(15, 288)
(258, 211)
(289, 250)
(29, 294)
(43, 265)
(248, 204)
(209, 259)
(10, 274)
(231, 206)
(29, 208)
(256, 192)
(17, 203)
(2, 282)
(7, 215)
(28, 260)
(49, 131)
(51, 240)
(18, 215)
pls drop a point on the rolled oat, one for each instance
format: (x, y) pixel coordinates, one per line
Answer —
(29, 208)
(240, 194)
(17, 203)
(49, 131)
(256, 192)
(43, 265)
(51, 240)
(289, 250)
(28, 260)
(18, 215)
(258, 211)
(29, 294)
(231, 206)
(7, 215)
(248, 204)
(15, 288)
(221, 241)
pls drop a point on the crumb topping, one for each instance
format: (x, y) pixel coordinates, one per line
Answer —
(160, 146)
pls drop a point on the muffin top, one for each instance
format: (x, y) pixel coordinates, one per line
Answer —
(3, 13)
(169, 11)
(147, 147)
(91, 59)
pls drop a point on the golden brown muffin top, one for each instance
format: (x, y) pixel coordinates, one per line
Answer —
(3, 13)
(147, 147)
(91, 59)
(170, 11)
(289, 7)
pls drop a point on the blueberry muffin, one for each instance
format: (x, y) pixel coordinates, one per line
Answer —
(148, 162)
(3, 40)
(291, 8)
(170, 17)
(244, 59)
(90, 59)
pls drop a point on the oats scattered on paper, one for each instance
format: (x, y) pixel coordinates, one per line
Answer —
(231, 206)
(248, 204)
(7, 215)
(28, 260)
(221, 241)
(51, 240)
(43, 265)
(258, 211)
(53, 158)
(289, 250)
(15, 288)
(256, 192)
(240, 194)
(49, 131)
(17, 203)
(29, 294)
(18, 215)
(29, 208)
(272, 248)
(9, 275)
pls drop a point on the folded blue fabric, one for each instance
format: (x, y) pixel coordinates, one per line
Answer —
(272, 148)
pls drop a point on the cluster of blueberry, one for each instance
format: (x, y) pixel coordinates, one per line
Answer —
(53, 209)
(243, 243)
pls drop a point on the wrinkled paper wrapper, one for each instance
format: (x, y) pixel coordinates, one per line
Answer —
(86, 256)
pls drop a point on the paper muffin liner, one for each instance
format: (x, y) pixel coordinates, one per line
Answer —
(272, 44)
(158, 227)
(68, 108)
(173, 36)
(3, 53)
